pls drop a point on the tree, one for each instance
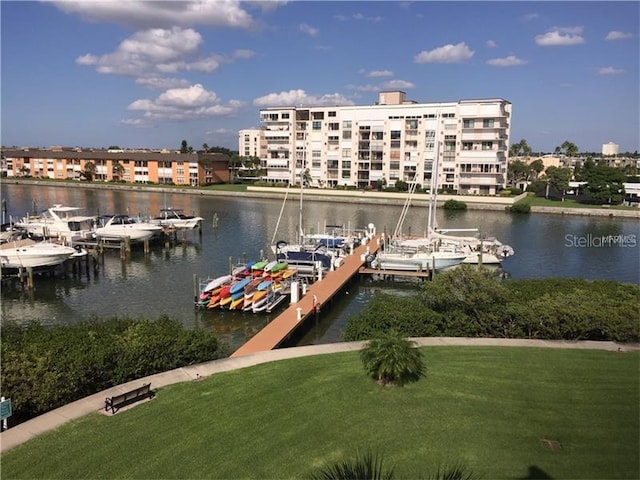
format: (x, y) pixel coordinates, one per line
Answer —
(234, 163)
(557, 179)
(537, 166)
(392, 360)
(568, 148)
(604, 184)
(89, 172)
(517, 171)
(521, 148)
(205, 147)
(118, 170)
(184, 147)
(368, 466)
(306, 177)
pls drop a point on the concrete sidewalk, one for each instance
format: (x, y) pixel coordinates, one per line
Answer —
(95, 403)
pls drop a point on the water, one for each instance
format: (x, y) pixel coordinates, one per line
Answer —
(163, 281)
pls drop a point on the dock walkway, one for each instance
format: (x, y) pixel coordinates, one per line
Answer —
(318, 294)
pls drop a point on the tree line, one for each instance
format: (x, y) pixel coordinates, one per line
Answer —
(46, 367)
(470, 302)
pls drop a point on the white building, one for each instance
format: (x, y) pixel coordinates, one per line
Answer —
(251, 143)
(610, 148)
(395, 139)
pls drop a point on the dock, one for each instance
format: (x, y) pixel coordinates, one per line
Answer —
(317, 295)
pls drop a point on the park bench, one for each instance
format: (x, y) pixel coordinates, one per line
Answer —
(118, 401)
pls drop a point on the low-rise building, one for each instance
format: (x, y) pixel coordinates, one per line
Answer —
(128, 166)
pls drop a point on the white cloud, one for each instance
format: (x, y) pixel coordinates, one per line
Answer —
(491, 44)
(182, 104)
(561, 36)
(162, 83)
(148, 53)
(243, 54)
(510, 61)
(308, 29)
(357, 17)
(614, 35)
(379, 73)
(364, 88)
(445, 54)
(610, 71)
(145, 14)
(529, 17)
(300, 97)
(396, 85)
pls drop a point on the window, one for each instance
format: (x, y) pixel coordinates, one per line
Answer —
(467, 123)
(317, 125)
(346, 153)
(487, 145)
(395, 134)
(346, 134)
(317, 115)
(285, 115)
(467, 145)
(331, 114)
(430, 134)
(394, 165)
(487, 123)
(346, 124)
(448, 115)
(334, 126)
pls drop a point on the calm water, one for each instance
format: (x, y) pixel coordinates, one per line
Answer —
(163, 281)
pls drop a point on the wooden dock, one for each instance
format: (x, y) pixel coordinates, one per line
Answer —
(318, 294)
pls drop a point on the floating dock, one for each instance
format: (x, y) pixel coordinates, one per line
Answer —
(317, 295)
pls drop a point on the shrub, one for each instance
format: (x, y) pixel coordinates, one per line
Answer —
(46, 367)
(520, 207)
(392, 360)
(368, 466)
(454, 205)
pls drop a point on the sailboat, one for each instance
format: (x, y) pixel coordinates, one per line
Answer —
(307, 259)
(423, 256)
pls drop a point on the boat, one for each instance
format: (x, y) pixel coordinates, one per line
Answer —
(417, 261)
(119, 227)
(29, 253)
(62, 222)
(176, 218)
(216, 283)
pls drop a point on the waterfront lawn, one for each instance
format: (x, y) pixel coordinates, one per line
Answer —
(490, 408)
(568, 203)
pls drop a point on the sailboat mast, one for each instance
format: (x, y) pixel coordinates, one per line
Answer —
(431, 217)
(301, 232)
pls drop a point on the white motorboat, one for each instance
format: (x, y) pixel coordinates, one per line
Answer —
(176, 218)
(121, 227)
(29, 253)
(59, 221)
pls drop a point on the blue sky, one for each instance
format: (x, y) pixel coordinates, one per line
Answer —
(149, 74)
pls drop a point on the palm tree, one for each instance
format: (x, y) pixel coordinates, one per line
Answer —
(89, 171)
(118, 171)
(391, 359)
(368, 466)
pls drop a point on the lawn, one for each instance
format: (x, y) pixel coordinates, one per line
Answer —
(490, 408)
(568, 203)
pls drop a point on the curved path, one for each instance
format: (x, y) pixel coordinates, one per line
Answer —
(95, 403)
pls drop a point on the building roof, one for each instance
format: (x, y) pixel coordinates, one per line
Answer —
(135, 155)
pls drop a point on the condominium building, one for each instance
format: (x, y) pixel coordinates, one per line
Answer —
(127, 166)
(467, 142)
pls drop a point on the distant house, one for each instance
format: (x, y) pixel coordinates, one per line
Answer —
(127, 166)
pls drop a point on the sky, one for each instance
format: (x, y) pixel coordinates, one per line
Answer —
(149, 74)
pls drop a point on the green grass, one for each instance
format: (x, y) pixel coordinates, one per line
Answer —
(488, 408)
(568, 203)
